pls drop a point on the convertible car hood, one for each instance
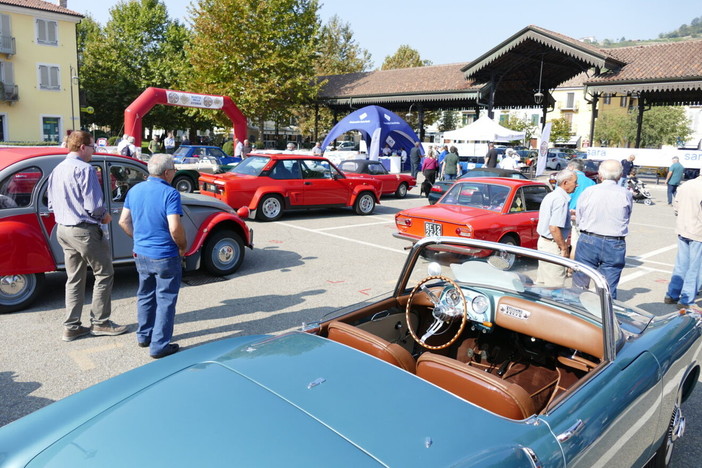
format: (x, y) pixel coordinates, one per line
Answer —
(294, 400)
(194, 199)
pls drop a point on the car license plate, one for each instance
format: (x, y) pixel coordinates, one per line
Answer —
(432, 229)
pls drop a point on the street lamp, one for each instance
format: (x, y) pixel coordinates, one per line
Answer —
(409, 112)
(538, 95)
(74, 81)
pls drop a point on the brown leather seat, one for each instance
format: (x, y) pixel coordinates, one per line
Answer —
(371, 344)
(477, 386)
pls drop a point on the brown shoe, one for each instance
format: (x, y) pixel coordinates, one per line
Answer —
(70, 334)
(669, 300)
(108, 328)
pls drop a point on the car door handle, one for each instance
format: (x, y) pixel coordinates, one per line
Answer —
(571, 431)
(116, 210)
(308, 183)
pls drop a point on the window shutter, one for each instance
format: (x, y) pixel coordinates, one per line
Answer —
(55, 82)
(5, 25)
(52, 36)
(43, 76)
(8, 74)
(41, 31)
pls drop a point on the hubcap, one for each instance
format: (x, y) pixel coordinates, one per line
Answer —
(271, 208)
(225, 254)
(13, 285)
(366, 203)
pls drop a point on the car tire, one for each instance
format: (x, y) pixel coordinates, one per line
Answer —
(17, 292)
(365, 204)
(508, 259)
(664, 453)
(270, 208)
(401, 191)
(183, 184)
(558, 166)
(223, 253)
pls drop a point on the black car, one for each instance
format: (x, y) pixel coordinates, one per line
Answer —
(440, 187)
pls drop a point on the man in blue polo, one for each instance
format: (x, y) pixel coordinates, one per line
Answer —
(151, 215)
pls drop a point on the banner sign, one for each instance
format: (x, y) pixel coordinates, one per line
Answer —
(543, 150)
(649, 157)
(194, 100)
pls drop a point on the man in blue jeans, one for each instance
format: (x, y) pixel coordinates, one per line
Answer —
(685, 281)
(602, 215)
(151, 215)
(674, 178)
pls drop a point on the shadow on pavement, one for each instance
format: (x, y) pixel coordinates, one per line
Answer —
(16, 400)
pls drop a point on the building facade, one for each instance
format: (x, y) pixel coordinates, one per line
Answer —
(38, 70)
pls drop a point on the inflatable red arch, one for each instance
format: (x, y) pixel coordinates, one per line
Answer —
(152, 96)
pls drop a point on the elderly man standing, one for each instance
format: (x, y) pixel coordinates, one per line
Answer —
(554, 228)
(75, 196)
(603, 215)
(684, 282)
(151, 215)
(674, 178)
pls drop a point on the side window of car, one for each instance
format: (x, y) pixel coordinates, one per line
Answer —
(377, 169)
(216, 152)
(123, 178)
(533, 196)
(313, 169)
(286, 169)
(518, 202)
(16, 190)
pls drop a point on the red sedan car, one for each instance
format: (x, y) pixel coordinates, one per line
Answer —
(393, 184)
(216, 234)
(494, 209)
(269, 184)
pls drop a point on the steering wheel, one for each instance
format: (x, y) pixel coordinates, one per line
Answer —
(444, 313)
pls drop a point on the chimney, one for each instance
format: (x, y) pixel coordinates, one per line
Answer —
(62, 3)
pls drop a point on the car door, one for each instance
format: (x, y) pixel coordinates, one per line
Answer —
(524, 211)
(389, 181)
(123, 176)
(323, 183)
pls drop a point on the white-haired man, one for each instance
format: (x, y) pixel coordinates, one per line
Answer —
(603, 214)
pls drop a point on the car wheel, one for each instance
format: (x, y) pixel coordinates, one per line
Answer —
(504, 261)
(365, 204)
(19, 291)
(558, 166)
(183, 184)
(223, 253)
(270, 208)
(665, 451)
(401, 191)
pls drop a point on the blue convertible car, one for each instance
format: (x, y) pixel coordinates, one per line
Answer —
(464, 364)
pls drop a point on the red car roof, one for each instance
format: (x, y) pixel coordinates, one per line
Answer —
(501, 181)
(13, 154)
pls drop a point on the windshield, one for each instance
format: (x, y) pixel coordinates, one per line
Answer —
(181, 151)
(476, 195)
(253, 165)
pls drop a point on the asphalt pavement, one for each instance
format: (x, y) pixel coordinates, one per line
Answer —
(302, 267)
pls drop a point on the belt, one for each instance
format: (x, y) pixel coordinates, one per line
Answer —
(601, 236)
(548, 239)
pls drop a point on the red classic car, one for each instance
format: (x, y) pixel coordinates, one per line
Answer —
(393, 184)
(216, 234)
(490, 208)
(269, 184)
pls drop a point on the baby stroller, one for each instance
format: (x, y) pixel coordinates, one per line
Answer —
(638, 190)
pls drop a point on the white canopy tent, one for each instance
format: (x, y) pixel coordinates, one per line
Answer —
(483, 129)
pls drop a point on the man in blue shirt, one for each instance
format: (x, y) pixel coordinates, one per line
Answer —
(151, 215)
(577, 165)
(674, 178)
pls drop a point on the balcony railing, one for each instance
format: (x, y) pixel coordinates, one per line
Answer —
(7, 45)
(9, 92)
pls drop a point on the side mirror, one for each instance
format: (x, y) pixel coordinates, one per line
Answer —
(243, 212)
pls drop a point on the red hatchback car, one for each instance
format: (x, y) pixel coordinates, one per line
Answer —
(269, 184)
(490, 208)
(393, 184)
(216, 234)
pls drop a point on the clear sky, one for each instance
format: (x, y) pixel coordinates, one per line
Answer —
(449, 31)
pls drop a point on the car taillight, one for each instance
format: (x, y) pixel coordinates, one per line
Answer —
(436, 188)
(466, 231)
(403, 221)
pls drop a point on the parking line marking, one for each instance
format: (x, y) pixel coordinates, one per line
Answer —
(357, 225)
(655, 252)
(651, 225)
(632, 276)
(82, 357)
(316, 231)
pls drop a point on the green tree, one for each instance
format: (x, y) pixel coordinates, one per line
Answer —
(139, 47)
(614, 129)
(259, 52)
(560, 130)
(662, 125)
(522, 124)
(449, 121)
(405, 57)
(338, 52)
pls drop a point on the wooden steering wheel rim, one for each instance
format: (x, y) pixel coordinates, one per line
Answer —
(464, 317)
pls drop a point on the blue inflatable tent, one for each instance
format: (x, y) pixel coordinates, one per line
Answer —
(378, 126)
